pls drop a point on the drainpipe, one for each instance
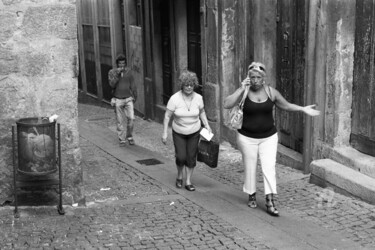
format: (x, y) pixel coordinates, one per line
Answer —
(310, 84)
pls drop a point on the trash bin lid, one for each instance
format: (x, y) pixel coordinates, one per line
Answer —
(34, 121)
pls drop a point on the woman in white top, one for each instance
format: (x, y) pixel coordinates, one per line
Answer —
(187, 109)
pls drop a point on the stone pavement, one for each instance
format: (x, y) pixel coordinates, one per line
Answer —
(130, 205)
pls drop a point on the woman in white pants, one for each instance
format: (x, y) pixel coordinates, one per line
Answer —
(258, 134)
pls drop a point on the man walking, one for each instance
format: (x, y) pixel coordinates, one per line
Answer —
(124, 95)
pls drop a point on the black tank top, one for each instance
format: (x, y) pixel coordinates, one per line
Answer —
(258, 119)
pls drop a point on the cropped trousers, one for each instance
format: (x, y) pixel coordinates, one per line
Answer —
(266, 149)
(186, 148)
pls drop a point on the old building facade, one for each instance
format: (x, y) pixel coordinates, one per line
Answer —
(315, 51)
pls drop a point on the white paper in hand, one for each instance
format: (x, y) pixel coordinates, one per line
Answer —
(207, 135)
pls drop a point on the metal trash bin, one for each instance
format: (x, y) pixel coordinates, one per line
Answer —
(36, 146)
(36, 159)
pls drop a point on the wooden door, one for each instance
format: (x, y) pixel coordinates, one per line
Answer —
(105, 54)
(88, 46)
(363, 108)
(194, 39)
(148, 59)
(290, 69)
(166, 50)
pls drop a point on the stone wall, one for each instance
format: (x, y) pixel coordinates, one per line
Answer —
(339, 84)
(228, 73)
(334, 76)
(38, 78)
(136, 62)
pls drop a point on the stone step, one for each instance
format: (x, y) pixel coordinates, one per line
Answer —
(329, 173)
(354, 159)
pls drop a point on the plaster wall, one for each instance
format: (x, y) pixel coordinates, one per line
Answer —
(136, 55)
(334, 75)
(38, 78)
(228, 80)
(212, 79)
(340, 57)
(212, 41)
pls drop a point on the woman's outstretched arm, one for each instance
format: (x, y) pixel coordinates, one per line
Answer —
(285, 105)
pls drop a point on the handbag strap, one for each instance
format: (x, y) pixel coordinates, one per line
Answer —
(241, 103)
(269, 92)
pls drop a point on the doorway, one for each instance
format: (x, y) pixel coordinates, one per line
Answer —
(166, 50)
(194, 40)
(290, 53)
(362, 136)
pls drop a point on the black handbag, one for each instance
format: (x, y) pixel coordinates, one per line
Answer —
(208, 153)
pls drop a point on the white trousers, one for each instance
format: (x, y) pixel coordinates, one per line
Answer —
(266, 148)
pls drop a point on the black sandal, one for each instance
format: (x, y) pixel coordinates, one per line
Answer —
(270, 205)
(252, 201)
(179, 183)
(131, 141)
(190, 187)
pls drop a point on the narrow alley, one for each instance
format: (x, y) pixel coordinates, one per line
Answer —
(132, 205)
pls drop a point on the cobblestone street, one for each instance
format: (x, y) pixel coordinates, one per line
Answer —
(166, 224)
(351, 217)
(128, 209)
(296, 77)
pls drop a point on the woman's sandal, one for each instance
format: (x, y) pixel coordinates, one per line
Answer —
(252, 201)
(190, 187)
(270, 205)
(131, 141)
(179, 183)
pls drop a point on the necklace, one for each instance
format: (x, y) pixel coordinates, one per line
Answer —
(191, 101)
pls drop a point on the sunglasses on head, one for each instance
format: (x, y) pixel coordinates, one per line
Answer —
(257, 67)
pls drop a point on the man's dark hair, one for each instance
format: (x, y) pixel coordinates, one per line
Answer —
(120, 57)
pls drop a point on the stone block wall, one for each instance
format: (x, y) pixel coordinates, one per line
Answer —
(38, 78)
